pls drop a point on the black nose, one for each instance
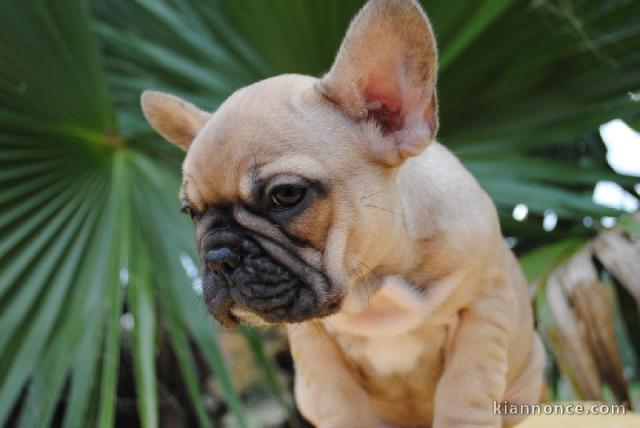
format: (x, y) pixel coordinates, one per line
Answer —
(223, 260)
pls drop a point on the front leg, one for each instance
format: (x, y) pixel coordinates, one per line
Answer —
(326, 393)
(475, 371)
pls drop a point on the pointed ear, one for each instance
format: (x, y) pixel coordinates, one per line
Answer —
(385, 71)
(175, 119)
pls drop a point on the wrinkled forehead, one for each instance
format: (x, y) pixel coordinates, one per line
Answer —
(258, 131)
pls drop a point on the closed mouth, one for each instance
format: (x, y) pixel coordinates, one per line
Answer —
(283, 299)
(271, 283)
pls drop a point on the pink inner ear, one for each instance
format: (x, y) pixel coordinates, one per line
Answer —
(389, 120)
(384, 104)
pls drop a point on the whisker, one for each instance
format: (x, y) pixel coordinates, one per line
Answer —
(317, 327)
(368, 291)
(329, 323)
(371, 194)
(385, 210)
(369, 270)
(367, 284)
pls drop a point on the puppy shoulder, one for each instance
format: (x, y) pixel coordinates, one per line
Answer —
(441, 196)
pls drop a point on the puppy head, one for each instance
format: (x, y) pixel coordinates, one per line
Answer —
(291, 181)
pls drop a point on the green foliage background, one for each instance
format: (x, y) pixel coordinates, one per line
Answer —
(89, 220)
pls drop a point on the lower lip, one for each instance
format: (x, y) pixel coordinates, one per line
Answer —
(232, 321)
(246, 316)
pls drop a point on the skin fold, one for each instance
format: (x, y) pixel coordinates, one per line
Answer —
(404, 307)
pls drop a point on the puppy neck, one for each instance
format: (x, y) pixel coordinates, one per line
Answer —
(394, 307)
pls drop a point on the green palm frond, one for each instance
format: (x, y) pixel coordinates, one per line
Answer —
(79, 238)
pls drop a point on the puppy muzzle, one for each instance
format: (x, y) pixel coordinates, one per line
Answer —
(239, 273)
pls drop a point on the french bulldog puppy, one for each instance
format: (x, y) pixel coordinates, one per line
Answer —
(326, 204)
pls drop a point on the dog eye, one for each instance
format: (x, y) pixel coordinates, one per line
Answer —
(191, 212)
(287, 196)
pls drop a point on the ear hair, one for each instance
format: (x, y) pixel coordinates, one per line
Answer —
(385, 71)
(174, 118)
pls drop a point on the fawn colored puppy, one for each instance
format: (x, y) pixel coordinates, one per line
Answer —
(326, 204)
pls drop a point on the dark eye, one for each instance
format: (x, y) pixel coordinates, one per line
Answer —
(287, 196)
(190, 211)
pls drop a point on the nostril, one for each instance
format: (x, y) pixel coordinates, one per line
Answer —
(222, 259)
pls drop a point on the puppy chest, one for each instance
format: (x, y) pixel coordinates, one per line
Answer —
(390, 336)
(413, 352)
(399, 374)
(384, 355)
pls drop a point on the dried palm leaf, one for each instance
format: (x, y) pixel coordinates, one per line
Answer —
(579, 328)
(619, 252)
(569, 344)
(593, 312)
